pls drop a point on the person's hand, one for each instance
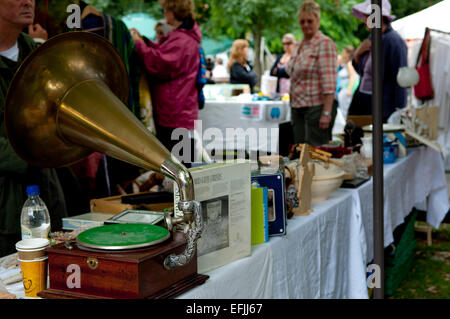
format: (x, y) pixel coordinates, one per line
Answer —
(136, 35)
(156, 179)
(37, 31)
(349, 92)
(324, 122)
(365, 46)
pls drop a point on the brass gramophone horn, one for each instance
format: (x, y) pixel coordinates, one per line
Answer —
(67, 100)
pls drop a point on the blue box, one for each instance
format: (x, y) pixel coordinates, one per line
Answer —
(390, 153)
(274, 182)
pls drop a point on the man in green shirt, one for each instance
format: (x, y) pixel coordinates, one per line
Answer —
(15, 173)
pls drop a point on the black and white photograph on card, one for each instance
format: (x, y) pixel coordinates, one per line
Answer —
(215, 234)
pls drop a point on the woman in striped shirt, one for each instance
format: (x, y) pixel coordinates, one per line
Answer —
(313, 73)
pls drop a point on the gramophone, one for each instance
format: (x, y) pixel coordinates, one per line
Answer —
(66, 101)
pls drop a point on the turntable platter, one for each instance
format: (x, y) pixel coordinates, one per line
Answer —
(122, 236)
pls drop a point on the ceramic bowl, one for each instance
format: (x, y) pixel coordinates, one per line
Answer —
(325, 181)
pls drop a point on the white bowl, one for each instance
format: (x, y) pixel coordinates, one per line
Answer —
(325, 182)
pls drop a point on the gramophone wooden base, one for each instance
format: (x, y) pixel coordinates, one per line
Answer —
(170, 292)
(139, 274)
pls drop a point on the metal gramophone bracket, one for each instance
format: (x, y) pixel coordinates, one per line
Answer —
(193, 230)
(191, 222)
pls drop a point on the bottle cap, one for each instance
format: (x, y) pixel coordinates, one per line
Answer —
(33, 190)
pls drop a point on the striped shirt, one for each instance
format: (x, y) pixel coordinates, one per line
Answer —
(313, 71)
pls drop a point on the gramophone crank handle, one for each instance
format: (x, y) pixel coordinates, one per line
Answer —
(193, 234)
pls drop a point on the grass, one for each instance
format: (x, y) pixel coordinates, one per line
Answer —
(429, 277)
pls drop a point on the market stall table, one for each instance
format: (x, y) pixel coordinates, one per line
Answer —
(320, 257)
(261, 117)
(417, 180)
(316, 259)
(324, 255)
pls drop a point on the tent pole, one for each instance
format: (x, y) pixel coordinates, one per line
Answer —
(377, 113)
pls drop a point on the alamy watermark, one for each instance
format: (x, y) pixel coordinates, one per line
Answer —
(374, 20)
(73, 280)
(215, 144)
(374, 278)
(74, 19)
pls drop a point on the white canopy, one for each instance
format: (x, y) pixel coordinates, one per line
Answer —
(434, 17)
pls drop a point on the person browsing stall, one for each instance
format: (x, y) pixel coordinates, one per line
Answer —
(173, 65)
(15, 173)
(313, 73)
(347, 78)
(394, 56)
(241, 72)
(279, 67)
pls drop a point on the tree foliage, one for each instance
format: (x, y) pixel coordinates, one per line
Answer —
(403, 8)
(254, 19)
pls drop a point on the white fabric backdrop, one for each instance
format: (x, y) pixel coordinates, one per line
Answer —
(434, 17)
(440, 77)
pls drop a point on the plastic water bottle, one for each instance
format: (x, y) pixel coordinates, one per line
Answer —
(35, 219)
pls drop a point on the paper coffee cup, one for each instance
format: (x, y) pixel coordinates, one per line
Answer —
(33, 263)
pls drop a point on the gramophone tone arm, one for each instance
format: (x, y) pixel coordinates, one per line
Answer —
(193, 234)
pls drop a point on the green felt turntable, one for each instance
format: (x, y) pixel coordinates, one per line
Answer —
(122, 237)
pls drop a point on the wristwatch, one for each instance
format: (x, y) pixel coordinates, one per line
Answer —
(326, 113)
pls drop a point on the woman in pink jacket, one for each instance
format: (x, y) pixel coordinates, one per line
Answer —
(172, 65)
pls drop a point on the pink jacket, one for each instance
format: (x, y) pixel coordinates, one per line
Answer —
(173, 65)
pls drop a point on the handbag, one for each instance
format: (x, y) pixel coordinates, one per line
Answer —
(424, 89)
(201, 79)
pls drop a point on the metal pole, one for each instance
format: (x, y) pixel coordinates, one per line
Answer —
(377, 113)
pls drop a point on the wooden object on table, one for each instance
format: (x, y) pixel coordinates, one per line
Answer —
(320, 155)
(114, 205)
(360, 120)
(306, 173)
(430, 116)
(134, 274)
(420, 127)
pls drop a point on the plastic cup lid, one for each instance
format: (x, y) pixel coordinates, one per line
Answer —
(32, 243)
(33, 260)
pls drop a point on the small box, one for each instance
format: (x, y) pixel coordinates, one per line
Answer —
(260, 223)
(132, 216)
(115, 205)
(400, 139)
(224, 191)
(88, 220)
(274, 182)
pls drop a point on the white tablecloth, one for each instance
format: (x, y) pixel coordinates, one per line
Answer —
(316, 259)
(261, 117)
(409, 182)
